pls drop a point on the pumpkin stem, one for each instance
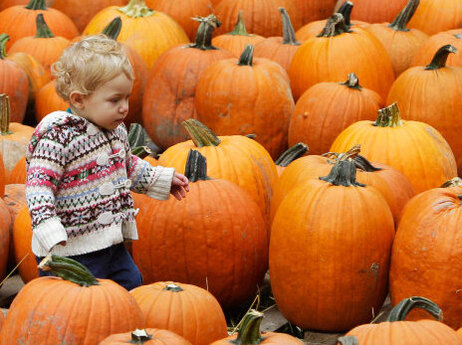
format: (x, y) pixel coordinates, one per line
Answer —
(350, 154)
(141, 151)
(5, 113)
(43, 31)
(249, 332)
(363, 164)
(239, 28)
(140, 336)
(348, 340)
(246, 58)
(335, 26)
(440, 57)
(294, 152)
(401, 20)
(389, 117)
(136, 9)
(400, 311)
(343, 173)
(68, 269)
(288, 32)
(37, 5)
(3, 39)
(173, 287)
(352, 82)
(454, 182)
(204, 32)
(345, 11)
(200, 134)
(112, 30)
(196, 167)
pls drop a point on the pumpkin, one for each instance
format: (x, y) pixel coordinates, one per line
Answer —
(15, 200)
(427, 250)
(13, 82)
(47, 101)
(184, 309)
(182, 11)
(171, 86)
(401, 43)
(431, 94)
(235, 158)
(189, 251)
(19, 21)
(262, 17)
(292, 153)
(22, 238)
(8, 3)
(327, 108)
(236, 40)
(249, 333)
(149, 32)
(432, 17)
(397, 331)
(322, 227)
(416, 149)
(5, 227)
(311, 10)
(148, 336)
(40, 313)
(280, 49)
(433, 43)
(338, 51)
(44, 46)
(244, 96)
(376, 12)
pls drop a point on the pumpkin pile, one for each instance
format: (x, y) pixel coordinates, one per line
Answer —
(322, 143)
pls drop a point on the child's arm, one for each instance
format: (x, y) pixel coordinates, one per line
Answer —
(45, 168)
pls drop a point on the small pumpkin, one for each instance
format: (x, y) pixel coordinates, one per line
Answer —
(148, 336)
(22, 238)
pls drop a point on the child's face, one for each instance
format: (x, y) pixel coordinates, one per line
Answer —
(107, 106)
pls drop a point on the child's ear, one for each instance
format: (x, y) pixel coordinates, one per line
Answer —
(76, 99)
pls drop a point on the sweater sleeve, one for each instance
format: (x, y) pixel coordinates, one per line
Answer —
(45, 168)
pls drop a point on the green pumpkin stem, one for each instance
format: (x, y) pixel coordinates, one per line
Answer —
(196, 167)
(112, 30)
(246, 58)
(68, 269)
(43, 31)
(352, 82)
(294, 152)
(454, 182)
(345, 11)
(401, 20)
(37, 5)
(389, 117)
(140, 336)
(348, 340)
(363, 164)
(335, 26)
(239, 28)
(200, 134)
(204, 32)
(440, 57)
(141, 151)
(288, 32)
(402, 309)
(5, 114)
(343, 173)
(249, 332)
(173, 287)
(136, 9)
(3, 39)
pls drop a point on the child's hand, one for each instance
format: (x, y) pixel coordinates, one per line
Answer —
(180, 185)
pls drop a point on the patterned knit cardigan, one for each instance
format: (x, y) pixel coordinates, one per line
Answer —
(78, 185)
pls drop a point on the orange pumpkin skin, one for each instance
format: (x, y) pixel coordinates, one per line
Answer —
(184, 309)
(18, 174)
(240, 246)
(425, 54)
(311, 10)
(314, 117)
(269, 338)
(159, 337)
(15, 199)
(314, 28)
(433, 17)
(40, 313)
(47, 101)
(150, 35)
(22, 238)
(5, 227)
(236, 43)
(427, 250)
(315, 229)
(373, 12)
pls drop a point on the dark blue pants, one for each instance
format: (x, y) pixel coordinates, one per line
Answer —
(113, 263)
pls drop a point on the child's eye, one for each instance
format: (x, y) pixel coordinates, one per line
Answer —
(114, 100)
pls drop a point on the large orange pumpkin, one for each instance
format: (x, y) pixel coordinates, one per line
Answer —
(247, 96)
(184, 309)
(435, 16)
(322, 227)
(435, 42)
(22, 238)
(415, 148)
(74, 309)
(171, 87)
(149, 32)
(338, 51)
(216, 238)
(47, 101)
(148, 336)
(376, 11)
(311, 10)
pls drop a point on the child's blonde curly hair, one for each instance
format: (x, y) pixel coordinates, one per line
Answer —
(88, 64)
